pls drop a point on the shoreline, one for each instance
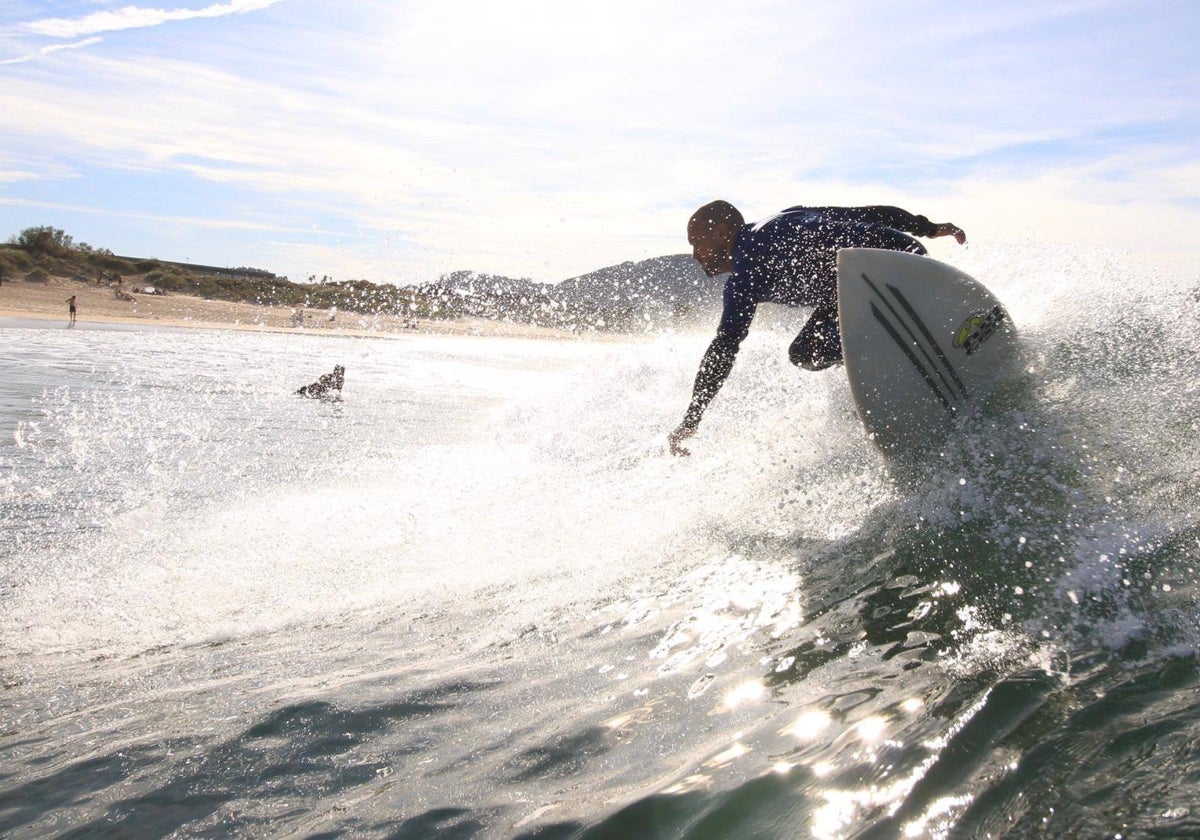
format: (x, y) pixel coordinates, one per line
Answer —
(98, 304)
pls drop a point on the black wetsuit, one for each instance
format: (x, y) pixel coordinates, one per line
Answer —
(791, 258)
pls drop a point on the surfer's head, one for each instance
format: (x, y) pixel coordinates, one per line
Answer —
(711, 232)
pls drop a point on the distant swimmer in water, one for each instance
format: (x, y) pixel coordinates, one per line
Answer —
(328, 387)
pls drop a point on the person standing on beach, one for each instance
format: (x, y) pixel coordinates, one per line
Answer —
(71, 307)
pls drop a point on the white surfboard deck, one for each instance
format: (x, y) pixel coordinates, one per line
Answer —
(922, 342)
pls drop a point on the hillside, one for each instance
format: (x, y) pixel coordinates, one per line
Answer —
(673, 285)
(630, 297)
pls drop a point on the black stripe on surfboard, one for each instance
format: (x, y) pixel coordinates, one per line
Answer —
(912, 357)
(915, 341)
(937, 348)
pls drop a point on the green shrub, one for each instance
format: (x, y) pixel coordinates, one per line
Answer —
(168, 280)
(107, 262)
(44, 240)
(57, 266)
(14, 261)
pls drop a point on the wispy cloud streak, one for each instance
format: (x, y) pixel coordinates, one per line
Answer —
(135, 17)
(49, 50)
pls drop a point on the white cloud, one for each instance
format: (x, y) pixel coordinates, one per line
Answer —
(202, 222)
(468, 191)
(11, 176)
(50, 50)
(134, 17)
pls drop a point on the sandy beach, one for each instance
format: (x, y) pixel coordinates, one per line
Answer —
(47, 300)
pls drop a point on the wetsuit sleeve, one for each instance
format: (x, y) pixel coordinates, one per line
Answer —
(892, 217)
(719, 357)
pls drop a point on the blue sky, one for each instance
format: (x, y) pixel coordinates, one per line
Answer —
(400, 140)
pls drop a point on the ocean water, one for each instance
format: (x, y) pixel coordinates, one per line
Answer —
(477, 598)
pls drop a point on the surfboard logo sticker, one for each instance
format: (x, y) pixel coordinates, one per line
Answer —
(978, 328)
(918, 344)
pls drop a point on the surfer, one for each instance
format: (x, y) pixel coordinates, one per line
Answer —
(789, 258)
(327, 387)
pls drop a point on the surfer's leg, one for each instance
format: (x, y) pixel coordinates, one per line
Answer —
(819, 344)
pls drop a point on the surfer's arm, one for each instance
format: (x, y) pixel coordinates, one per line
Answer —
(714, 370)
(948, 229)
(714, 367)
(895, 218)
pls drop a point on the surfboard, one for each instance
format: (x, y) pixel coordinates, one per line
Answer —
(922, 343)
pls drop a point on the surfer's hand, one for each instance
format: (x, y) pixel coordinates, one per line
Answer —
(947, 229)
(677, 437)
